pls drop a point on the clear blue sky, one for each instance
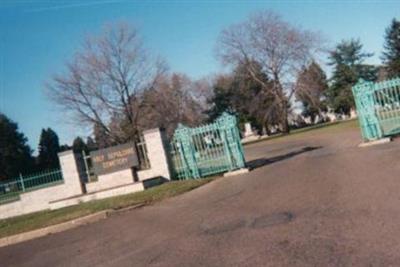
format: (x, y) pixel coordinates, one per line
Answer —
(38, 37)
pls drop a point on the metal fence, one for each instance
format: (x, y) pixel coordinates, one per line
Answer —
(141, 149)
(378, 108)
(89, 175)
(11, 189)
(206, 150)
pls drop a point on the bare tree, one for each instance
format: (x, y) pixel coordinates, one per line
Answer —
(105, 79)
(173, 100)
(281, 50)
(202, 91)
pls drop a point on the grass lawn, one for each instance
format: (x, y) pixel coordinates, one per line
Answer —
(329, 127)
(42, 219)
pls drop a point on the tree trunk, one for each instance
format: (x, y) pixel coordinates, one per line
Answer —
(283, 104)
(284, 118)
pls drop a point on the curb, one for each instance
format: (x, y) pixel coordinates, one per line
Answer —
(376, 142)
(123, 210)
(236, 172)
(52, 229)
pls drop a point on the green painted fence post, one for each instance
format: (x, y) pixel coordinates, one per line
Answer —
(183, 135)
(85, 158)
(229, 124)
(363, 96)
(236, 143)
(185, 165)
(22, 182)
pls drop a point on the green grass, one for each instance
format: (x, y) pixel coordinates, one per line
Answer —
(329, 127)
(42, 219)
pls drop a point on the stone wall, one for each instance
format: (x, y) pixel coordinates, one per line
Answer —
(32, 201)
(73, 190)
(110, 180)
(116, 191)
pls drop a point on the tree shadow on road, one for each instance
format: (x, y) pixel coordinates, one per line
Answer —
(257, 163)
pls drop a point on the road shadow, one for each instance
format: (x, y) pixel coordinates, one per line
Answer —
(257, 163)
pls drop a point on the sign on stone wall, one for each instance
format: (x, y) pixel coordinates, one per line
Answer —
(114, 158)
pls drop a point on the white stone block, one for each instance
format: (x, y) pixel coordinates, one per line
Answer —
(110, 180)
(155, 143)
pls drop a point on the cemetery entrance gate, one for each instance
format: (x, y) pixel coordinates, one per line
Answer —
(207, 150)
(378, 108)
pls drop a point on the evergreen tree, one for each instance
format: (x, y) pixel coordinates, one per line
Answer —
(311, 87)
(78, 145)
(240, 94)
(15, 153)
(65, 147)
(391, 54)
(49, 146)
(91, 144)
(221, 101)
(348, 62)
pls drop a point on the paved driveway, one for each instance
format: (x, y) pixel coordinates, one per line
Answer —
(312, 200)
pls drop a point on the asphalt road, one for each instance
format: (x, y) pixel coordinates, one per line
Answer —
(314, 200)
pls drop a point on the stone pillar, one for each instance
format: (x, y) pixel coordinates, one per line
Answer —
(71, 172)
(156, 144)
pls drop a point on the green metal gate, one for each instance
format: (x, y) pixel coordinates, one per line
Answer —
(378, 108)
(206, 150)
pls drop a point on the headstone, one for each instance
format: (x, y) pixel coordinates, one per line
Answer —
(317, 119)
(353, 114)
(332, 116)
(247, 130)
(264, 131)
(307, 120)
(249, 135)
